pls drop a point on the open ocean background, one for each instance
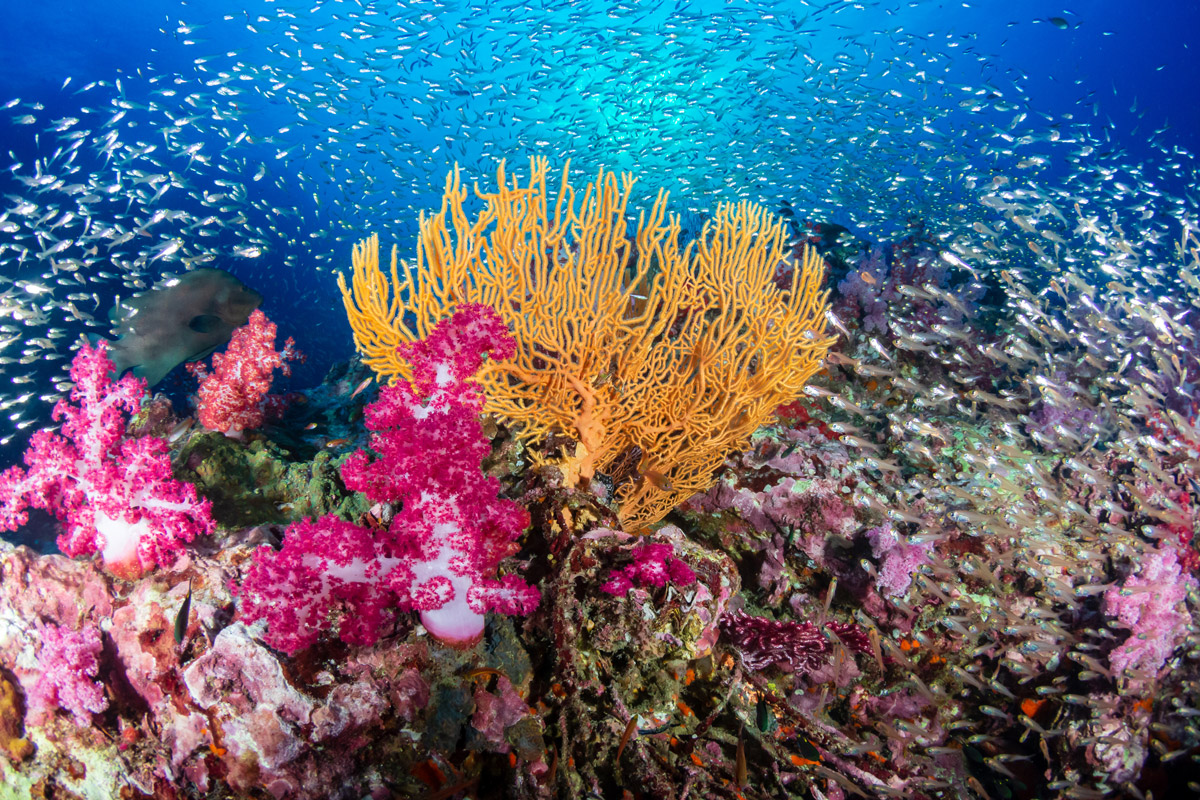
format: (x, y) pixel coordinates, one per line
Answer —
(279, 133)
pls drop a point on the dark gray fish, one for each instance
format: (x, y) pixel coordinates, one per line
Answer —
(181, 619)
(764, 717)
(185, 318)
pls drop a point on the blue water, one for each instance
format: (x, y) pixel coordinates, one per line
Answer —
(820, 104)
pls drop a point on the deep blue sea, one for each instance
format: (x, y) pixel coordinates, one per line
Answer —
(302, 127)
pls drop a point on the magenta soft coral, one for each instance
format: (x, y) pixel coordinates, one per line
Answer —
(231, 396)
(654, 564)
(438, 554)
(116, 496)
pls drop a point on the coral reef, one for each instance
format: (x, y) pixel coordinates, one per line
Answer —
(922, 579)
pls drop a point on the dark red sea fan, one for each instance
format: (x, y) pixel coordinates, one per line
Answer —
(793, 646)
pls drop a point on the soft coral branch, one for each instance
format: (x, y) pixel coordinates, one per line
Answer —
(115, 495)
(232, 397)
(438, 554)
(69, 663)
(1152, 604)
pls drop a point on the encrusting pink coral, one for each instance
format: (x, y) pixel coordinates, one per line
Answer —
(439, 552)
(116, 495)
(496, 712)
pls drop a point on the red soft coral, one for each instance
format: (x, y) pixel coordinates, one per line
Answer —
(231, 398)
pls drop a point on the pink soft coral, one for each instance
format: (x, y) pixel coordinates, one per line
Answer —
(68, 663)
(438, 554)
(898, 559)
(1152, 604)
(231, 397)
(116, 495)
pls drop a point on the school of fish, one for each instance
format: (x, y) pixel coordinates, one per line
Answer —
(330, 120)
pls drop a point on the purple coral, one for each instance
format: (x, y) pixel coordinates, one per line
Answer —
(813, 506)
(899, 560)
(1151, 604)
(868, 292)
(1065, 413)
(69, 663)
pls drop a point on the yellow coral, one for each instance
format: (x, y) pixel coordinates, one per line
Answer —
(12, 718)
(657, 361)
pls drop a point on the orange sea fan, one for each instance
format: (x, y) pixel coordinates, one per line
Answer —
(661, 359)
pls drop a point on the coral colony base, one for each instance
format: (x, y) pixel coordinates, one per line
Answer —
(622, 520)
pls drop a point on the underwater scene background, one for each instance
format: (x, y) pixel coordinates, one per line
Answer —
(850, 450)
